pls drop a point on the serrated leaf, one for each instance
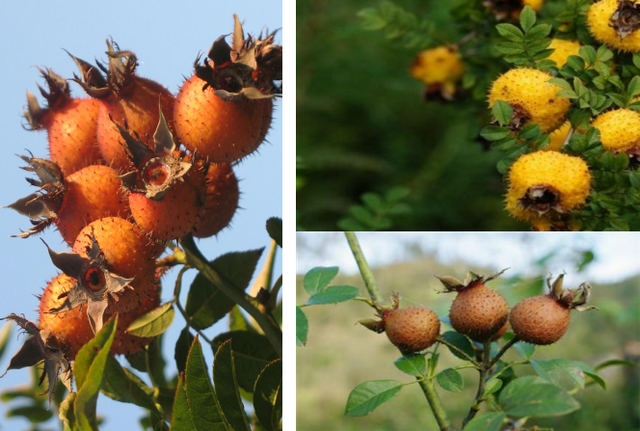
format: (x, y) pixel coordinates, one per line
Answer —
(486, 422)
(226, 388)
(200, 396)
(206, 304)
(88, 370)
(372, 200)
(495, 133)
(633, 89)
(302, 327)
(185, 340)
(181, 417)
(413, 365)
(318, 278)
(153, 323)
(527, 18)
(510, 32)
(462, 343)
(492, 386)
(509, 48)
(334, 295)
(267, 396)
(531, 396)
(274, 229)
(525, 350)
(252, 352)
(539, 32)
(502, 111)
(450, 380)
(367, 396)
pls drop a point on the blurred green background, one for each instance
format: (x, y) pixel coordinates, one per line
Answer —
(340, 354)
(362, 126)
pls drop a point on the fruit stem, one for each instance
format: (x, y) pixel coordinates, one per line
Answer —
(177, 258)
(460, 351)
(365, 270)
(484, 369)
(263, 317)
(435, 403)
(502, 351)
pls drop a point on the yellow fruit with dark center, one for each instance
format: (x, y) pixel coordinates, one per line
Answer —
(619, 129)
(532, 97)
(478, 312)
(616, 24)
(437, 65)
(547, 182)
(563, 49)
(558, 137)
(411, 329)
(540, 320)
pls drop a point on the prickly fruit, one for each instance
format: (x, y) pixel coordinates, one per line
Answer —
(411, 329)
(477, 311)
(616, 23)
(439, 68)
(543, 320)
(221, 203)
(70, 124)
(562, 50)
(620, 131)
(532, 97)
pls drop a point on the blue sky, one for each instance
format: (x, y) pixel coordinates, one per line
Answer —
(166, 36)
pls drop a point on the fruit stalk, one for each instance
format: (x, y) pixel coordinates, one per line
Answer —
(435, 403)
(482, 380)
(266, 321)
(365, 270)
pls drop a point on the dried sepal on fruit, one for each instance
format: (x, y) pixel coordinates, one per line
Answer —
(533, 98)
(547, 184)
(410, 329)
(543, 320)
(478, 312)
(167, 189)
(69, 201)
(40, 346)
(616, 23)
(70, 124)
(439, 69)
(94, 283)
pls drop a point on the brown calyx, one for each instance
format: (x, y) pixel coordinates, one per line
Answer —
(542, 198)
(626, 19)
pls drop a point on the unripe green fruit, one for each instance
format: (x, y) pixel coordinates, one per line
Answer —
(540, 320)
(478, 312)
(411, 329)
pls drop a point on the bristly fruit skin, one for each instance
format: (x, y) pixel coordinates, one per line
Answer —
(478, 312)
(70, 124)
(562, 50)
(558, 137)
(608, 26)
(533, 98)
(71, 329)
(540, 320)
(219, 131)
(411, 329)
(619, 130)
(92, 193)
(221, 203)
(129, 253)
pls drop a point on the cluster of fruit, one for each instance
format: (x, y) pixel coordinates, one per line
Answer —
(483, 315)
(546, 185)
(129, 168)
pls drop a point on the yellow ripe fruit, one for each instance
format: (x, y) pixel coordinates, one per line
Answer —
(558, 137)
(605, 24)
(562, 50)
(619, 129)
(437, 65)
(534, 99)
(547, 182)
(536, 5)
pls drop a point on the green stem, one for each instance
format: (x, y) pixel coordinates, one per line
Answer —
(463, 353)
(484, 368)
(263, 317)
(435, 403)
(365, 270)
(502, 351)
(176, 296)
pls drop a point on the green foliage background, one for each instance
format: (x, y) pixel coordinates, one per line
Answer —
(346, 354)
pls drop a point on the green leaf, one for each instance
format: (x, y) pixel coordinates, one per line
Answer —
(34, 414)
(527, 18)
(634, 87)
(206, 304)
(274, 229)
(237, 321)
(181, 418)
(414, 365)
(201, 399)
(66, 414)
(372, 200)
(153, 323)
(510, 32)
(318, 278)
(302, 327)
(226, 388)
(397, 194)
(563, 373)
(525, 350)
(462, 343)
(531, 396)
(185, 340)
(494, 133)
(252, 352)
(333, 295)
(450, 380)
(492, 386)
(486, 422)
(502, 111)
(367, 396)
(88, 370)
(267, 396)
